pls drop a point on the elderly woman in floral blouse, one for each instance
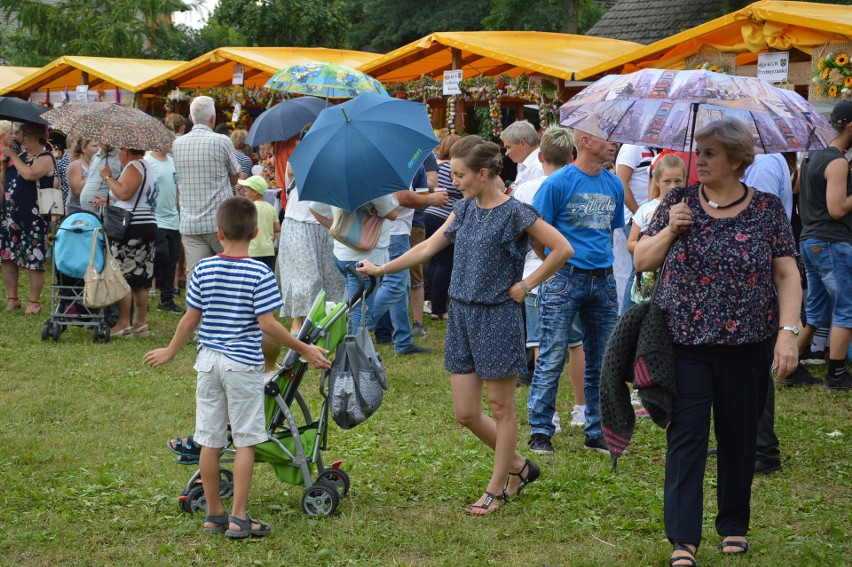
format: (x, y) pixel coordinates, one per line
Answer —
(732, 295)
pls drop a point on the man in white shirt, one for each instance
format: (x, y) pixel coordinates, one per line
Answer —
(521, 141)
(769, 174)
(207, 167)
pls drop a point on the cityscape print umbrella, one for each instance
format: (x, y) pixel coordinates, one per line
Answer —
(362, 149)
(663, 108)
(284, 120)
(112, 124)
(328, 80)
(19, 110)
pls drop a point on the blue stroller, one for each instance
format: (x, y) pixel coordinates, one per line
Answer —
(72, 252)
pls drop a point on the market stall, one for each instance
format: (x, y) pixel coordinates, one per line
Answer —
(498, 69)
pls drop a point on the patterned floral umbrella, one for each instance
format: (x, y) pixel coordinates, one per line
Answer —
(664, 108)
(328, 80)
(112, 124)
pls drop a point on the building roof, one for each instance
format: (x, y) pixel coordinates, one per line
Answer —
(647, 21)
(769, 24)
(493, 53)
(216, 68)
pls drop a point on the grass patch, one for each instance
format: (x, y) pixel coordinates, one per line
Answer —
(88, 479)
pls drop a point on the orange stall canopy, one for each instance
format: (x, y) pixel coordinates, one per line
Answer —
(493, 53)
(761, 26)
(216, 68)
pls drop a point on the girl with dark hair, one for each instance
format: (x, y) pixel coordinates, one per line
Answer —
(484, 344)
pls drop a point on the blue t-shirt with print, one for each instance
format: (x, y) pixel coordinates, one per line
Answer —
(585, 209)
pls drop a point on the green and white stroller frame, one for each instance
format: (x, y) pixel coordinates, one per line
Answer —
(296, 441)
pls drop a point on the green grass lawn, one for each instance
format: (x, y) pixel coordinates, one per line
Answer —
(87, 478)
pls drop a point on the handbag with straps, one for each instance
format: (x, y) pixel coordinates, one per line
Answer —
(357, 380)
(49, 199)
(359, 230)
(116, 220)
(107, 287)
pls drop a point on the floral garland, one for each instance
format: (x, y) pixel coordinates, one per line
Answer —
(496, 115)
(485, 89)
(451, 115)
(713, 67)
(832, 76)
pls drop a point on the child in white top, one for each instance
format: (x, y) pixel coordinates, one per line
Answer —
(667, 171)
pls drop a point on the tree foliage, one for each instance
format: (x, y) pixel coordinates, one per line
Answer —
(294, 23)
(108, 28)
(569, 16)
(384, 25)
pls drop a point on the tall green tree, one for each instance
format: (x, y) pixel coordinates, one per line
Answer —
(568, 16)
(108, 28)
(384, 25)
(295, 23)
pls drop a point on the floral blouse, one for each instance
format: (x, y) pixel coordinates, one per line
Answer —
(490, 248)
(718, 286)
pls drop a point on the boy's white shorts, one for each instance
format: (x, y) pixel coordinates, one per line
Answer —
(228, 392)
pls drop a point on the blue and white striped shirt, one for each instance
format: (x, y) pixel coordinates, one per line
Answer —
(231, 293)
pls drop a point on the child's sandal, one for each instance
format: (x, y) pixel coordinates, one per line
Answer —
(246, 530)
(219, 521)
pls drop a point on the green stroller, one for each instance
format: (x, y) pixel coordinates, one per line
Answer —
(296, 440)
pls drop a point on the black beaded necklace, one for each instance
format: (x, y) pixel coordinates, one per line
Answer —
(716, 205)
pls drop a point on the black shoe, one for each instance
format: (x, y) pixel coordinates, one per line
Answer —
(763, 466)
(712, 451)
(414, 349)
(171, 307)
(813, 357)
(839, 383)
(799, 377)
(598, 445)
(540, 443)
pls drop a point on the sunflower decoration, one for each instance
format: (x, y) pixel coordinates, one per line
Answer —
(832, 75)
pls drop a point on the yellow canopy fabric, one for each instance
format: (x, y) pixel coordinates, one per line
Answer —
(757, 27)
(216, 68)
(105, 72)
(11, 75)
(493, 53)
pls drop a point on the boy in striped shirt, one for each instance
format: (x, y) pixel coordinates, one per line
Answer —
(233, 298)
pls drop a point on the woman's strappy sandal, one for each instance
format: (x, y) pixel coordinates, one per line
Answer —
(741, 545)
(532, 474)
(690, 558)
(486, 504)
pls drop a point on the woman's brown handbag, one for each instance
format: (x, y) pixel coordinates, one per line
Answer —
(107, 287)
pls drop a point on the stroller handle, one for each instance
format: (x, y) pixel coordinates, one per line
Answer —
(359, 293)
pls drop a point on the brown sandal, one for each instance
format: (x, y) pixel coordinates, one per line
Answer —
(33, 310)
(12, 303)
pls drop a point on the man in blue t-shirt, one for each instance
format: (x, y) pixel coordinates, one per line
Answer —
(584, 202)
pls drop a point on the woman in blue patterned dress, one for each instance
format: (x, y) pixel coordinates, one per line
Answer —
(730, 292)
(485, 334)
(23, 232)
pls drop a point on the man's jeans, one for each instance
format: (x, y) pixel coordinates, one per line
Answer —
(392, 297)
(559, 299)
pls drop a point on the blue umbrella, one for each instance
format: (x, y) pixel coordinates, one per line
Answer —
(284, 120)
(362, 149)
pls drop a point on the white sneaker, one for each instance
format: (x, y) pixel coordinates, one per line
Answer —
(578, 416)
(557, 423)
(634, 399)
(427, 307)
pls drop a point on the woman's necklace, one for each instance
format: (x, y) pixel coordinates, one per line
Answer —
(488, 214)
(716, 205)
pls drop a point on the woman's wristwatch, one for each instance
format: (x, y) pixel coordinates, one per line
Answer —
(791, 328)
(524, 287)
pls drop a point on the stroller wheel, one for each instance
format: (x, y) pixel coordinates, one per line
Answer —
(57, 332)
(195, 500)
(47, 330)
(226, 483)
(338, 479)
(320, 500)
